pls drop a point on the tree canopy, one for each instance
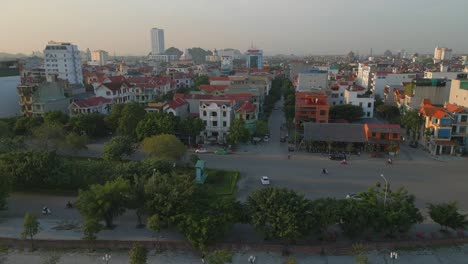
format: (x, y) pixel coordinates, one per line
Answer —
(347, 111)
(157, 123)
(30, 228)
(163, 146)
(117, 147)
(447, 215)
(413, 122)
(238, 132)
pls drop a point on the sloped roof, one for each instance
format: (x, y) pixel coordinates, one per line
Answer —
(93, 101)
(336, 132)
(247, 107)
(453, 108)
(387, 128)
(176, 103)
(213, 88)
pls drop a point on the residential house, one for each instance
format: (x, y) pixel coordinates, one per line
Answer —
(216, 114)
(38, 98)
(438, 124)
(116, 88)
(248, 112)
(436, 90)
(381, 79)
(177, 107)
(311, 107)
(383, 135)
(312, 79)
(356, 95)
(90, 105)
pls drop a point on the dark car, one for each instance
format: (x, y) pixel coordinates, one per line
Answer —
(413, 144)
(291, 148)
(337, 157)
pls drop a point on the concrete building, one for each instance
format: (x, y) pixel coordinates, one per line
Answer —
(435, 90)
(311, 107)
(459, 92)
(295, 67)
(217, 115)
(37, 99)
(63, 60)
(248, 112)
(254, 58)
(116, 88)
(382, 79)
(355, 95)
(91, 105)
(441, 54)
(441, 75)
(177, 107)
(227, 65)
(312, 79)
(163, 57)
(99, 57)
(157, 41)
(364, 74)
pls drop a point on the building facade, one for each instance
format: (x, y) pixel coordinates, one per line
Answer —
(441, 54)
(382, 79)
(157, 41)
(355, 95)
(312, 79)
(254, 58)
(63, 60)
(311, 107)
(37, 99)
(99, 57)
(216, 115)
(459, 92)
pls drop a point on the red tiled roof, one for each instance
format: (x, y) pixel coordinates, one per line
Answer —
(247, 107)
(93, 101)
(212, 88)
(453, 108)
(219, 79)
(426, 101)
(439, 114)
(176, 103)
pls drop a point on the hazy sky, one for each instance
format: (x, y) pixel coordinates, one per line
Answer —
(276, 26)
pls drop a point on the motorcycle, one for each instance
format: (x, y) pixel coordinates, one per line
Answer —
(46, 211)
(344, 162)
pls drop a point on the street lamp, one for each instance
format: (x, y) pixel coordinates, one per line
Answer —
(393, 256)
(386, 189)
(106, 258)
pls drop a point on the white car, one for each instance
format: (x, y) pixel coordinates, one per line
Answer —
(354, 196)
(266, 138)
(265, 180)
(201, 150)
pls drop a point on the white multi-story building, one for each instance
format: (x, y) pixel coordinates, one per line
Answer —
(216, 116)
(312, 79)
(355, 95)
(226, 64)
(382, 79)
(99, 57)
(364, 74)
(441, 54)
(157, 41)
(459, 92)
(63, 60)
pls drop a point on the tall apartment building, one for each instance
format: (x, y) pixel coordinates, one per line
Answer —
(63, 60)
(441, 54)
(312, 79)
(311, 107)
(99, 57)
(157, 41)
(254, 58)
(459, 91)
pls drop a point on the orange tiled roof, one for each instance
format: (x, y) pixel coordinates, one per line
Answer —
(453, 108)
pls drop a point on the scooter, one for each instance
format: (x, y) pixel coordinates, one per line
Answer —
(324, 171)
(344, 162)
(46, 211)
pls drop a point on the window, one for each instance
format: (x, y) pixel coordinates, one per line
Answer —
(464, 118)
(224, 124)
(369, 105)
(108, 93)
(382, 136)
(224, 114)
(462, 130)
(204, 113)
(368, 114)
(360, 104)
(323, 112)
(214, 114)
(204, 123)
(215, 123)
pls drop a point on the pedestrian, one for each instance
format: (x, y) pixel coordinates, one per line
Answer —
(203, 258)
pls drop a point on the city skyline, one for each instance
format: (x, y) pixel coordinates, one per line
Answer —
(302, 27)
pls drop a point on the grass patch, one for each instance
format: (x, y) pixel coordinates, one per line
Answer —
(221, 182)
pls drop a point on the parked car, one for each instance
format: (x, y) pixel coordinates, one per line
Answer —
(337, 157)
(265, 180)
(221, 152)
(354, 196)
(266, 138)
(201, 150)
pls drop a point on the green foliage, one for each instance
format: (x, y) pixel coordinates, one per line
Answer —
(118, 147)
(191, 126)
(76, 141)
(104, 201)
(30, 228)
(238, 132)
(200, 80)
(168, 195)
(359, 251)
(5, 130)
(289, 94)
(194, 158)
(10, 144)
(131, 115)
(155, 224)
(291, 260)
(347, 111)
(220, 257)
(53, 259)
(92, 125)
(389, 113)
(6, 183)
(280, 213)
(262, 128)
(173, 51)
(199, 54)
(55, 117)
(138, 254)
(447, 215)
(157, 123)
(413, 122)
(324, 213)
(49, 136)
(91, 227)
(112, 120)
(354, 216)
(137, 196)
(25, 125)
(164, 147)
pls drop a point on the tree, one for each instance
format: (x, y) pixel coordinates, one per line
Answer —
(56, 117)
(199, 54)
(324, 213)
(388, 53)
(192, 127)
(157, 123)
(131, 115)
(25, 125)
(173, 51)
(75, 141)
(390, 113)
(6, 183)
(220, 257)
(5, 131)
(154, 224)
(91, 227)
(238, 132)
(447, 215)
(117, 147)
(112, 120)
(346, 111)
(164, 146)
(49, 136)
(92, 125)
(137, 196)
(355, 217)
(104, 201)
(262, 128)
(280, 213)
(201, 79)
(413, 122)
(138, 254)
(30, 228)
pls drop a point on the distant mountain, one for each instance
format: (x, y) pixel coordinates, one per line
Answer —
(8, 56)
(173, 51)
